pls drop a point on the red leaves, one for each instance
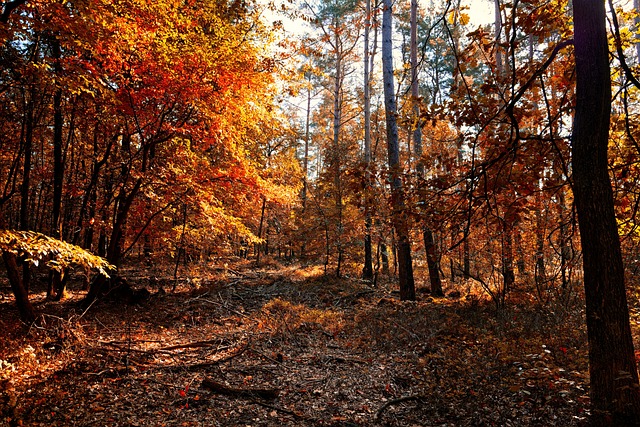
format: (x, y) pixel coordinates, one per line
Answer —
(183, 392)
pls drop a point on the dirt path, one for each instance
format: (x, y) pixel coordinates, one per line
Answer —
(275, 348)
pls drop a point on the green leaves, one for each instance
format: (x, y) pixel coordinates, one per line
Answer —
(58, 255)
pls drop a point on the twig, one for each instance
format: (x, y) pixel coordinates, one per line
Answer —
(396, 401)
(192, 345)
(279, 409)
(220, 388)
(195, 366)
(219, 304)
(121, 348)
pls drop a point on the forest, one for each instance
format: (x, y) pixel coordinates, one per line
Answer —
(319, 213)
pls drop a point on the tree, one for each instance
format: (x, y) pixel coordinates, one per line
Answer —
(35, 248)
(399, 215)
(367, 269)
(427, 232)
(615, 394)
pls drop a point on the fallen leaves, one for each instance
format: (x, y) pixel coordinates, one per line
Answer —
(291, 359)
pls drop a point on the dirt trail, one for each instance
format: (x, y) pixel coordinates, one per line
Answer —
(287, 347)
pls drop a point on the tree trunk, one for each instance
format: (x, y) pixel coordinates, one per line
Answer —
(466, 257)
(540, 272)
(498, 38)
(27, 312)
(432, 262)
(367, 269)
(400, 222)
(56, 287)
(337, 154)
(29, 124)
(520, 261)
(508, 274)
(258, 245)
(384, 255)
(615, 396)
(564, 240)
(427, 233)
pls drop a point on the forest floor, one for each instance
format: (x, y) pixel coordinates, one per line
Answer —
(288, 346)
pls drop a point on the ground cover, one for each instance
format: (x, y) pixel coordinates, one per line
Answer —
(287, 345)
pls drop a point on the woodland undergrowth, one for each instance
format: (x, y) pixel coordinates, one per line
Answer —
(238, 345)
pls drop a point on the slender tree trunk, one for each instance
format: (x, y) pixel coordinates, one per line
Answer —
(498, 38)
(56, 283)
(29, 123)
(520, 261)
(427, 233)
(507, 257)
(257, 246)
(305, 161)
(305, 165)
(384, 257)
(367, 270)
(541, 274)
(27, 312)
(400, 222)
(564, 240)
(615, 393)
(337, 149)
(466, 257)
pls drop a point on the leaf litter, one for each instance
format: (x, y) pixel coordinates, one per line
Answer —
(273, 347)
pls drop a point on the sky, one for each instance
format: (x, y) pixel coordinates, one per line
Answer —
(480, 12)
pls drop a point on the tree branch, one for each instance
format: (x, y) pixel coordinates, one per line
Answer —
(9, 7)
(621, 58)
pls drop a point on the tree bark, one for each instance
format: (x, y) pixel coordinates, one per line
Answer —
(367, 270)
(338, 152)
(400, 223)
(25, 187)
(615, 396)
(27, 312)
(56, 287)
(427, 232)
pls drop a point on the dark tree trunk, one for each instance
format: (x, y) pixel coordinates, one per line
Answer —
(564, 240)
(257, 245)
(432, 262)
(400, 223)
(427, 232)
(367, 269)
(520, 262)
(540, 272)
(29, 121)
(615, 396)
(56, 287)
(27, 312)
(384, 255)
(508, 274)
(101, 284)
(466, 256)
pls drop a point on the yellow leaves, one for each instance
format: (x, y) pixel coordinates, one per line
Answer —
(458, 17)
(283, 316)
(36, 247)
(464, 19)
